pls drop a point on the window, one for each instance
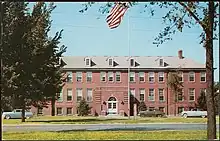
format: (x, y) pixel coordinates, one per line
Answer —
(142, 94)
(69, 78)
(151, 77)
(180, 96)
(39, 110)
(110, 62)
(79, 76)
(141, 77)
(202, 76)
(103, 76)
(89, 76)
(151, 95)
(69, 94)
(60, 97)
(79, 94)
(132, 62)
(161, 95)
(161, 76)
(181, 76)
(180, 110)
(118, 77)
(88, 62)
(110, 77)
(132, 94)
(89, 95)
(132, 76)
(191, 94)
(162, 109)
(161, 63)
(59, 111)
(68, 111)
(191, 76)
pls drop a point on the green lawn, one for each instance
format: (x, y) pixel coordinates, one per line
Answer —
(97, 120)
(106, 135)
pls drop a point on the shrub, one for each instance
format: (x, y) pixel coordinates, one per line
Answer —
(83, 108)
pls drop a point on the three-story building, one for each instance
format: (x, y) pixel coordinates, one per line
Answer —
(103, 82)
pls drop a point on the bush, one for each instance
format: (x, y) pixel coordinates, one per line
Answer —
(83, 108)
(142, 106)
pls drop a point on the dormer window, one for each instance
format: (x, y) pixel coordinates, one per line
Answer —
(161, 63)
(88, 61)
(132, 62)
(110, 62)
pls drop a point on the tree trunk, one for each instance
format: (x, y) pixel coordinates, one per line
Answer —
(211, 123)
(53, 106)
(23, 111)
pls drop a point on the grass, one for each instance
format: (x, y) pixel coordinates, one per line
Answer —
(98, 120)
(106, 135)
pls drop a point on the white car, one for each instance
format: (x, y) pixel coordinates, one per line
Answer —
(16, 114)
(194, 113)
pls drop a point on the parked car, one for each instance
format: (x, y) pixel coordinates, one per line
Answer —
(16, 113)
(194, 113)
(152, 113)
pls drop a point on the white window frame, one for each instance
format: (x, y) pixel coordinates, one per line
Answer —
(142, 92)
(88, 63)
(79, 75)
(69, 92)
(110, 62)
(132, 74)
(191, 74)
(67, 110)
(160, 74)
(182, 96)
(61, 96)
(89, 95)
(181, 75)
(159, 94)
(102, 75)
(151, 74)
(111, 74)
(79, 93)
(88, 75)
(118, 75)
(189, 93)
(150, 94)
(141, 75)
(69, 76)
(61, 111)
(201, 75)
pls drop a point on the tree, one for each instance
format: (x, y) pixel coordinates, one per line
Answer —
(201, 101)
(175, 85)
(142, 106)
(182, 15)
(83, 108)
(32, 69)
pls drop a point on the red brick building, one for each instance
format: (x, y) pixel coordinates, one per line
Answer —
(103, 82)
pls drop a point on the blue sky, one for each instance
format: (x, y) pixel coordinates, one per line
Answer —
(87, 34)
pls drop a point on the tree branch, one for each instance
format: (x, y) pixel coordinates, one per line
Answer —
(193, 15)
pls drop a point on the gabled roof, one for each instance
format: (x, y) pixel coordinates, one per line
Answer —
(143, 62)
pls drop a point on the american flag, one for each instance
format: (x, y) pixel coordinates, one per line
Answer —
(116, 14)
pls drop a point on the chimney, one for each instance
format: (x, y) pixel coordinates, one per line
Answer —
(180, 54)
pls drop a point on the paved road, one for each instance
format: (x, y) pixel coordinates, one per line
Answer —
(70, 127)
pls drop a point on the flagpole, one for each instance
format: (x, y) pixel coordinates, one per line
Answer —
(128, 65)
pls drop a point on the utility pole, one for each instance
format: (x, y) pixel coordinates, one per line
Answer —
(1, 46)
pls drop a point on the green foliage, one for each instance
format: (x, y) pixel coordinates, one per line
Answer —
(142, 106)
(175, 84)
(201, 101)
(31, 59)
(83, 108)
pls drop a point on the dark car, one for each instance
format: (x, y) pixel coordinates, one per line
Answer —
(152, 113)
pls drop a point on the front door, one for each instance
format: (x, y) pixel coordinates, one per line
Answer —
(112, 106)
